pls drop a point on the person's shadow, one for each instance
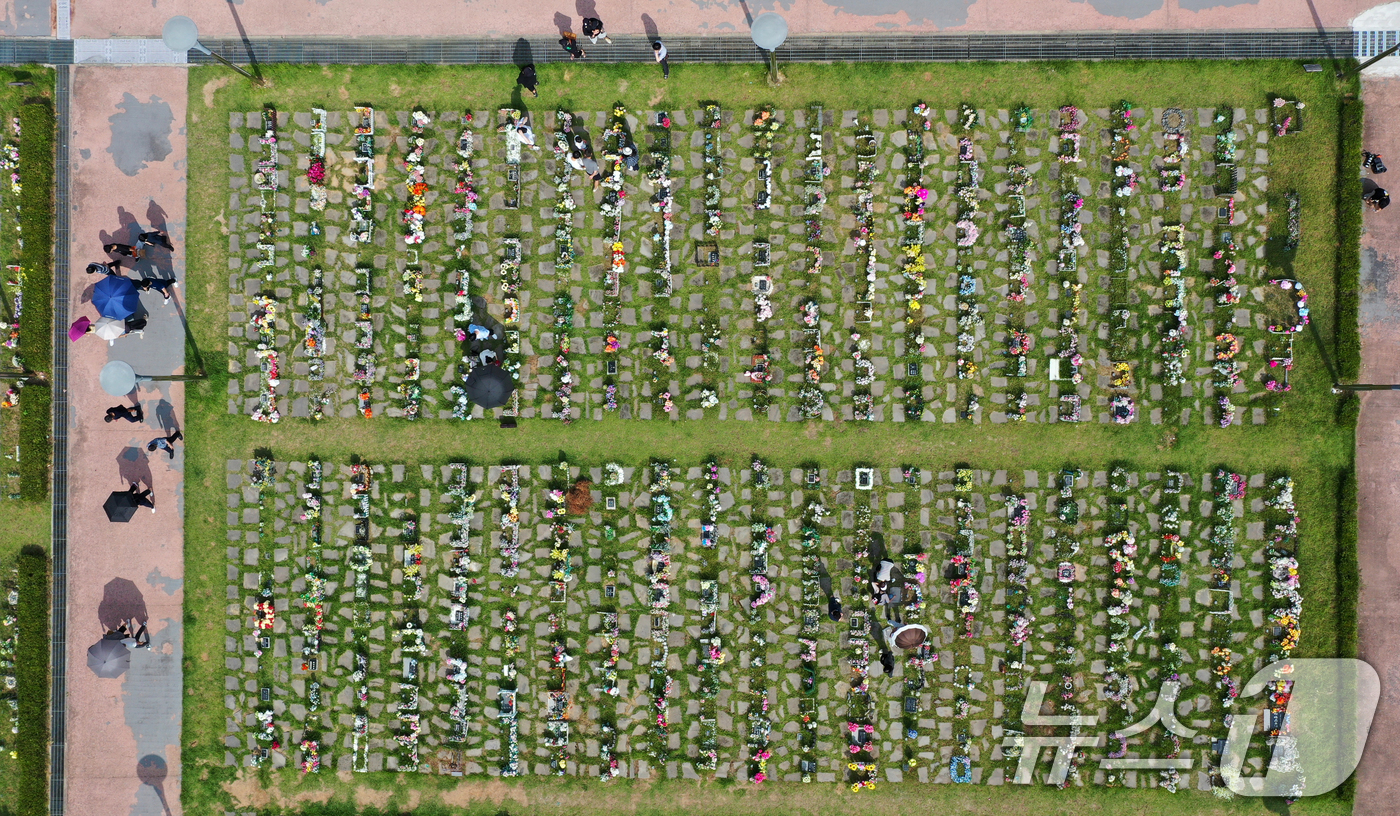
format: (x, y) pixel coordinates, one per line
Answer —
(134, 466)
(564, 22)
(151, 770)
(165, 416)
(521, 55)
(121, 601)
(649, 26)
(586, 8)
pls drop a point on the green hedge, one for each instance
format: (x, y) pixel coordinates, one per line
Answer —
(1348, 588)
(36, 151)
(32, 674)
(1348, 334)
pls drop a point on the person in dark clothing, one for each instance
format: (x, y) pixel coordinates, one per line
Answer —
(887, 661)
(528, 80)
(125, 250)
(142, 497)
(166, 443)
(569, 42)
(659, 51)
(833, 608)
(1380, 200)
(135, 324)
(593, 29)
(155, 238)
(629, 158)
(161, 285)
(124, 412)
(109, 268)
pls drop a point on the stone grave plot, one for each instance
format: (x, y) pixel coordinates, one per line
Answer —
(1039, 217)
(668, 619)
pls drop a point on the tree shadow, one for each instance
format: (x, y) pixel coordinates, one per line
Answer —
(134, 466)
(121, 602)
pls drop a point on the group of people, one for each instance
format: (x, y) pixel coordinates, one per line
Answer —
(593, 30)
(1375, 196)
(144, 243)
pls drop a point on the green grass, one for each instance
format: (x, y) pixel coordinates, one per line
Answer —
(36, 323)
(1348, 275)
(32, 672)
(1309, 438)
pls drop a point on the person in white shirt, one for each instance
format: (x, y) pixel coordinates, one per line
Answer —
(659, 51)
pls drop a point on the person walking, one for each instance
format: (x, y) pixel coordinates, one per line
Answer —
(161, 285)
(155, 238)
(595, 173)
(659, 51)
(166, 443)
(124, 412)
(125, 250)
(142, 497)
(528, 80)
(569, 42)
(109, 268)
(593, 29)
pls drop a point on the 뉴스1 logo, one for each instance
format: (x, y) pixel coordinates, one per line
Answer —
(1316, 711)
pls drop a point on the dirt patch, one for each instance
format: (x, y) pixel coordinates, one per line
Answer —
(494, 790)
(622, 86)
(211, 86)
(369, 796)
(344, 94)
(656, 98)
(248, 792)
(395, 89)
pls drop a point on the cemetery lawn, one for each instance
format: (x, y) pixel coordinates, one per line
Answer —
(1303, 439)
(26, 522)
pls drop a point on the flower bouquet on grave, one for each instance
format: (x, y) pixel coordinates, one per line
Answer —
(967, 233)
(263, 615)
(1122, 409)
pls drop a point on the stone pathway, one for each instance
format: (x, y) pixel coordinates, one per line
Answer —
(128, 160)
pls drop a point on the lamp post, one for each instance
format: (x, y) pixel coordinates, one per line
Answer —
(1368, 63)
(770, 30)
(181, 34)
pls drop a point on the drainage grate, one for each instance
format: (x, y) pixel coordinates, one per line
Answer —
(58, 626)
(1371, 43)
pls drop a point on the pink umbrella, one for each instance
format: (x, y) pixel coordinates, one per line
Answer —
(79, 327)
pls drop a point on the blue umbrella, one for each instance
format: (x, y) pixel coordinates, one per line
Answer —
(116, 297)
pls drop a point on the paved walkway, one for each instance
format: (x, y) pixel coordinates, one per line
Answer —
(507, 18)
(1377, 450)
(128, 173)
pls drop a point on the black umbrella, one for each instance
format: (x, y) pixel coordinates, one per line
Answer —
(489, 386)
(109, 657)
(120, 506)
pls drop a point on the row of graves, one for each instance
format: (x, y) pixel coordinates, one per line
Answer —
(12, 286)
(756, 622)
(1038, 264)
